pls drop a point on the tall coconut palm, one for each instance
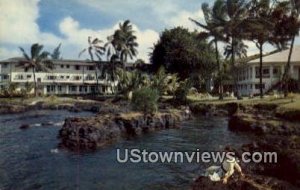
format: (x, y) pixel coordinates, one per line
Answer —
(260, 29)
(36, 61)
(95, 49)
(124, 42)
(237, 14)
(215, 22)
(294, 31)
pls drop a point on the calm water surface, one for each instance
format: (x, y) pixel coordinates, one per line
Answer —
(27, 162)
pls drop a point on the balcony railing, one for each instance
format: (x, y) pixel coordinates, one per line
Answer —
(61, 77)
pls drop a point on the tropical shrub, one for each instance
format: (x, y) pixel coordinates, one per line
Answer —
(182, 91)
(10, 90)
(145, 100)
(130, 81)
(26, 91)
(160, 81)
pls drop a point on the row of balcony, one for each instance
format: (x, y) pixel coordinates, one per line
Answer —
(46, 77)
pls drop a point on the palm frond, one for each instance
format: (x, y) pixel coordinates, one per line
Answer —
(80, 53)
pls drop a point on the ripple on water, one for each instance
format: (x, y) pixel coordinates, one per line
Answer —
(27, 160)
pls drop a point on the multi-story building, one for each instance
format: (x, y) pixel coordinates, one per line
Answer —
(67, 77)
(273, 69)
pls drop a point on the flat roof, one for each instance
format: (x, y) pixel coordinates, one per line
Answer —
(60, 61)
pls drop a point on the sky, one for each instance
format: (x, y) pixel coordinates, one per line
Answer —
(70, 22)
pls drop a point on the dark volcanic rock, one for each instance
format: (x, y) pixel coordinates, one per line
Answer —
(9, 109)
(282, 175)
(262, 124)
(291, 115)
(250, 182)
(24, 126)
(93, 132)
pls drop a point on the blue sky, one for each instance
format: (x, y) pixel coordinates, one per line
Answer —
(70, 22)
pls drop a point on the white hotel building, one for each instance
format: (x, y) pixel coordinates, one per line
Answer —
(273, 69)
(67, 77)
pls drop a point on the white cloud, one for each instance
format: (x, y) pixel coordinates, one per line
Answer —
(145, 39)
(182, 19)
(18, 23)
(9, 53)
(18, 27)
(77, 36)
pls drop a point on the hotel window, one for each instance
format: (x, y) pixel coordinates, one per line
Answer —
(72, 88)
(89, 77)
(51, 77)
(250, 72)
(257, 72)
(59, 88)
(93, 89)
(25, 69)
(77, 78)
(276, 71)
(258, 85)
(5, 77)
(67, 77)
(19, 77)
(91, 68)
(4, 65)
(50, 88)
(62, 77)
(82, 88)
(265, 72)
(28, 76)
(77, 67)
(62, 66)
(67, 66)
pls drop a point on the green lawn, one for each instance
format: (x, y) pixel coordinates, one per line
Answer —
(292, 102)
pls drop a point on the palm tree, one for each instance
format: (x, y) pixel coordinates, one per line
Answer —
(124, 42)
(37, 61)
(260, 29)
(236, 20)
(94, 49)
(215, 22)
(294, 31)
(240, 50)
(56, 54)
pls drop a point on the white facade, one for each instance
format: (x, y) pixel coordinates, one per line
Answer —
(273, 69)
(67, 77)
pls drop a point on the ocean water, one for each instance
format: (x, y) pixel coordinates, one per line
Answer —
(30, 159)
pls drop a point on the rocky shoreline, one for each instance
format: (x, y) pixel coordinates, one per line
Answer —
(102, 129)
(76, 107)
(276, 132)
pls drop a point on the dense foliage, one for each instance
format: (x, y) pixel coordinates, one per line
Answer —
(145, 99)
(180, 51)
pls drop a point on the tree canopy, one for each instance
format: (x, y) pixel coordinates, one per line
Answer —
(182, 52)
